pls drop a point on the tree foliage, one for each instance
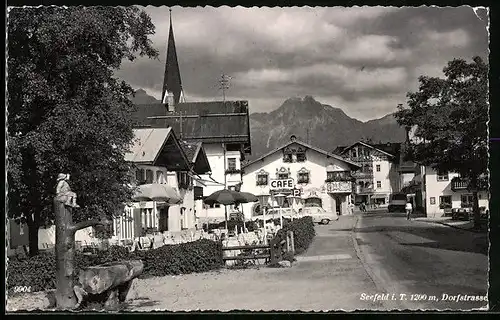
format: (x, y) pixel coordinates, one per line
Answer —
(66, 110)
(449, 117)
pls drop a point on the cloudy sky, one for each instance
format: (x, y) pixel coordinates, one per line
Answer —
(363, 60)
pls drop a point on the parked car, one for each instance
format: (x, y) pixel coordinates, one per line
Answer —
(467, 213)
(397, 203)
(461, 213)
(320, 215)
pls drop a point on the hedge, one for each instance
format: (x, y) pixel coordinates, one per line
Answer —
(303, 233)
(38, 272)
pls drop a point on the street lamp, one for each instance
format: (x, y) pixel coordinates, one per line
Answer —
(263, 200)
(280, 198)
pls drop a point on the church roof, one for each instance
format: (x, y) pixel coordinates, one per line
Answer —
(172, 78)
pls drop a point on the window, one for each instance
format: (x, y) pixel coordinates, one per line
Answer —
(445, 202)
(303, 177)
(354, 153)
(366, 168)
(287, 157)
(184, 180)
(301, 156)
(214, 205)
(231, 163)
(282, 175)
(442, 176)
(139, 176)
(262, 179)
(379, 184)
(159, 177)
(337, 176)
(378, 168)
(433, 200)
(466, 200)
(149, 176)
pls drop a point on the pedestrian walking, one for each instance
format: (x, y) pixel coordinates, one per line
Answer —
(409, 209)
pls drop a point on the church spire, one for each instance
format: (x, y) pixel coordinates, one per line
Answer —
(172, 79)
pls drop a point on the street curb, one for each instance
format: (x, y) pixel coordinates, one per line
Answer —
(452, 226)
(378, 284)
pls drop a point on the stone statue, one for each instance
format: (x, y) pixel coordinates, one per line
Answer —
(63, 191)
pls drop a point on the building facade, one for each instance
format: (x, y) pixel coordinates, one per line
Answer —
(380, 174)
(440, 192)
(299, 170)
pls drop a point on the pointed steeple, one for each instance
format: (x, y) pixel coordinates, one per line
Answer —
(172, 80)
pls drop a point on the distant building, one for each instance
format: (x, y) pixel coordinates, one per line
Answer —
(383, 171)
(223, 128)
(301, 170)
(438, 193)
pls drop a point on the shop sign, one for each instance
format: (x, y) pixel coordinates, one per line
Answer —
(338, 186)
(282, 184)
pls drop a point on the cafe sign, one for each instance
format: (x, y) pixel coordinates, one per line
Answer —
(282, 184)
(338, 186)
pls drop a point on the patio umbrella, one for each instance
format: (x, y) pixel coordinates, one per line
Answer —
(249, 197)
(157, 192)
(224, 197)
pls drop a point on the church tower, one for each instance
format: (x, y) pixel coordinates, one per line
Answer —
(172, 86)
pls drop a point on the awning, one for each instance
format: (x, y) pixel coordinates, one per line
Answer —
(379, 196)
(157, 192)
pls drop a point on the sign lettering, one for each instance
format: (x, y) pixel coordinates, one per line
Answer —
(296, 193)
(281, 184)
(338, 186)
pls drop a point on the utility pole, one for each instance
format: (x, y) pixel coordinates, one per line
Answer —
(224, 85)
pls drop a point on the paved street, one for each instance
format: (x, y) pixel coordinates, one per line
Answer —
(360, 262)
(424, 259)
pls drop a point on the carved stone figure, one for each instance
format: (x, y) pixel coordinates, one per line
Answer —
(63, 191)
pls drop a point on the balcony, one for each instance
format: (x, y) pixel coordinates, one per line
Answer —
(458, 184)
(339, 187)
(362, 175)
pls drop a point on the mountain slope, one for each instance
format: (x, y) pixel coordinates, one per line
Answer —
(320, 125)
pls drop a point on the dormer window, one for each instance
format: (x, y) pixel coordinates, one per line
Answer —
(301, 155)
(287, 155)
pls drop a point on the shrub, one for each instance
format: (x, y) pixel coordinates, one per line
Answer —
(198, 256)
(38, 272)
(303, 233)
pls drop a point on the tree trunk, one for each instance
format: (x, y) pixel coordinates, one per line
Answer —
(475, 203)
(65, 253)
(33, 237)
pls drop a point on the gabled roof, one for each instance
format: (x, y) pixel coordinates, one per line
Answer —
(157, 146)
(210, 122)
(308, 146)
(196, 155)
(345, 149)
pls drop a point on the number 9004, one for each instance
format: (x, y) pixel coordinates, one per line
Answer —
(18, 289)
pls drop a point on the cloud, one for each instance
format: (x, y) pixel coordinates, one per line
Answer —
(362, 59)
